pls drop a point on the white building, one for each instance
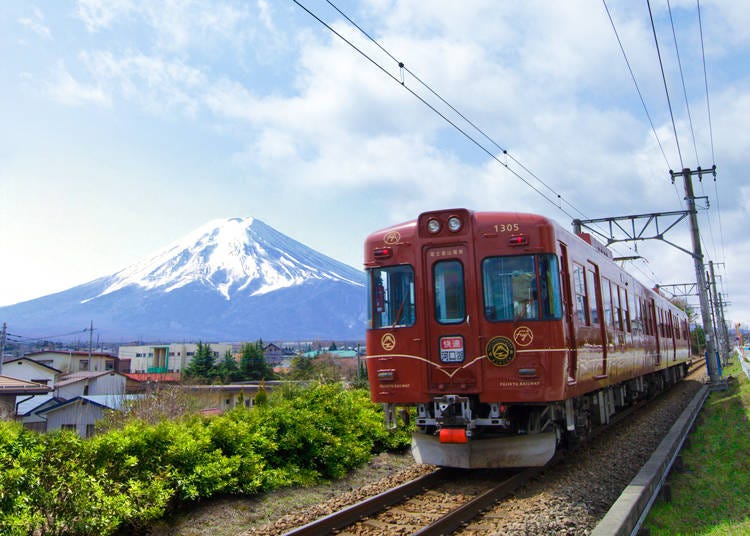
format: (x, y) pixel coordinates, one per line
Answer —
(90, 383)
(23, 368)
(74, 361)
(171, 357)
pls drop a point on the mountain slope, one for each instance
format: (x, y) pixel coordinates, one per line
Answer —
(233, 279)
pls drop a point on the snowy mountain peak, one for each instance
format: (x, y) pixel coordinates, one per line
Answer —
(234, 256)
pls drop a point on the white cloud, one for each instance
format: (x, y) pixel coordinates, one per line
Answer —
(36, 24)
(66, 89)
(99, 14)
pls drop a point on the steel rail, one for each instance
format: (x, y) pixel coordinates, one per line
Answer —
(455, 518)
(379, 502)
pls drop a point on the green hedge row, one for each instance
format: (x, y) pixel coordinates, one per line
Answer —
(60, 484)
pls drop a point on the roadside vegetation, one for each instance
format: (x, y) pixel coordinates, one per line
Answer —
(711, 496)
(139, 468)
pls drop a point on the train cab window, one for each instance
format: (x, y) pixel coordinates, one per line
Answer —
(392, 296)
(450, 300)
(524, 287)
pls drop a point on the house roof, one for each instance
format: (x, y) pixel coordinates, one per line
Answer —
(37, 363)
(75, 377)
(13, 386)
(103, 401)
(77, 353)
(33, 404)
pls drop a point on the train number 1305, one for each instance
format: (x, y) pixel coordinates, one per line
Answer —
(506, 227)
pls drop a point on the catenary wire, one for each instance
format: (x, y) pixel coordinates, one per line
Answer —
(436, 111)
(449, 105)
(635, 83)
(684, 87)
(664, 79)
(453, 124)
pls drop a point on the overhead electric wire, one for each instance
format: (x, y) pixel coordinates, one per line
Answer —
(492, 155)
(684, 88)
(440, 114)
(449, 105)
(710, 127)
(664, 79)
(48, 337)
(635, 82)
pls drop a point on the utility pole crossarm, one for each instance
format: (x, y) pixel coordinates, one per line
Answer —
(640, 233)
(680, 290)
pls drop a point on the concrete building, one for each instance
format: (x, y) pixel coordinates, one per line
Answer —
(169, 358)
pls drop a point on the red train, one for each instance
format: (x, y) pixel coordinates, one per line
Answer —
(510, 335)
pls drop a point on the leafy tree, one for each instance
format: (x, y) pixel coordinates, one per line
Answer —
(228, 369)
(253, 364)
(332, 348)
(301, 368)
(202, 365)
(697, 341)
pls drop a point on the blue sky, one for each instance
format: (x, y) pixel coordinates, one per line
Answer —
(127, 124)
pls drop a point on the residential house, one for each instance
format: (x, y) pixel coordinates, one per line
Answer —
(10, 388)
(80, 414)
(31, 410)
(23, 368)
(90, 383)
(75, 361)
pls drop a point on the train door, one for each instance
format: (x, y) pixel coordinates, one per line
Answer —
(452, 318)
(568, 312)
(593, 283)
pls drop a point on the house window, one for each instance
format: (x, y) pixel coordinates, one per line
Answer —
(89, 430)
(83, 364)
(43, 382)
(109, 365)
(71, 427)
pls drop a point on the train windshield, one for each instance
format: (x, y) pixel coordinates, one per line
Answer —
(522, 287)
(392, 296)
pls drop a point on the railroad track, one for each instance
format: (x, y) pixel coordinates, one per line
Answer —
(436, 503)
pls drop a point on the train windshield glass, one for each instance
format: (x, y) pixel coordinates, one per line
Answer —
(450, 301)
(523, 287)
(392, 296)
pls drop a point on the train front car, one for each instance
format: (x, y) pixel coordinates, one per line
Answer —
(466, 324)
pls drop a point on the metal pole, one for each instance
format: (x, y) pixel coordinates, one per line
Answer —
(711, 364)
(2, 347)
(721, 343)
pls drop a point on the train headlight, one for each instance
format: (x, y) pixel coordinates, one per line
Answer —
(454, 224)
(433, 226)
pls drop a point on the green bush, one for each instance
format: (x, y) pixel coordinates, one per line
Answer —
(131, 475)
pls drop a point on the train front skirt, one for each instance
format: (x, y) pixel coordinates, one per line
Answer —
(529, 450)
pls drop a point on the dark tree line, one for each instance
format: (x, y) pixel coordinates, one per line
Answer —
(252, 365)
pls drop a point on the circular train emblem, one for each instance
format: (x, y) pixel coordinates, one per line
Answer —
(500, 351)
(523, 336)
(394, 237)
(388, 342)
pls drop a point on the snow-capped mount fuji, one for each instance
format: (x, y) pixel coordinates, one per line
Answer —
(232, 279)
(236, 256)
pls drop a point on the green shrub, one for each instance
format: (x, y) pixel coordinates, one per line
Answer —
(132, 474)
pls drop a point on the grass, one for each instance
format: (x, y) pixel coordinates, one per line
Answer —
(711, 496)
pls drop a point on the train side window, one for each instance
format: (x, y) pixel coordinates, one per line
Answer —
(591, 287)
(607, 302)
(579, 287)
(617, 307)
(392, 296)
(450, 300)
(549, 287)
